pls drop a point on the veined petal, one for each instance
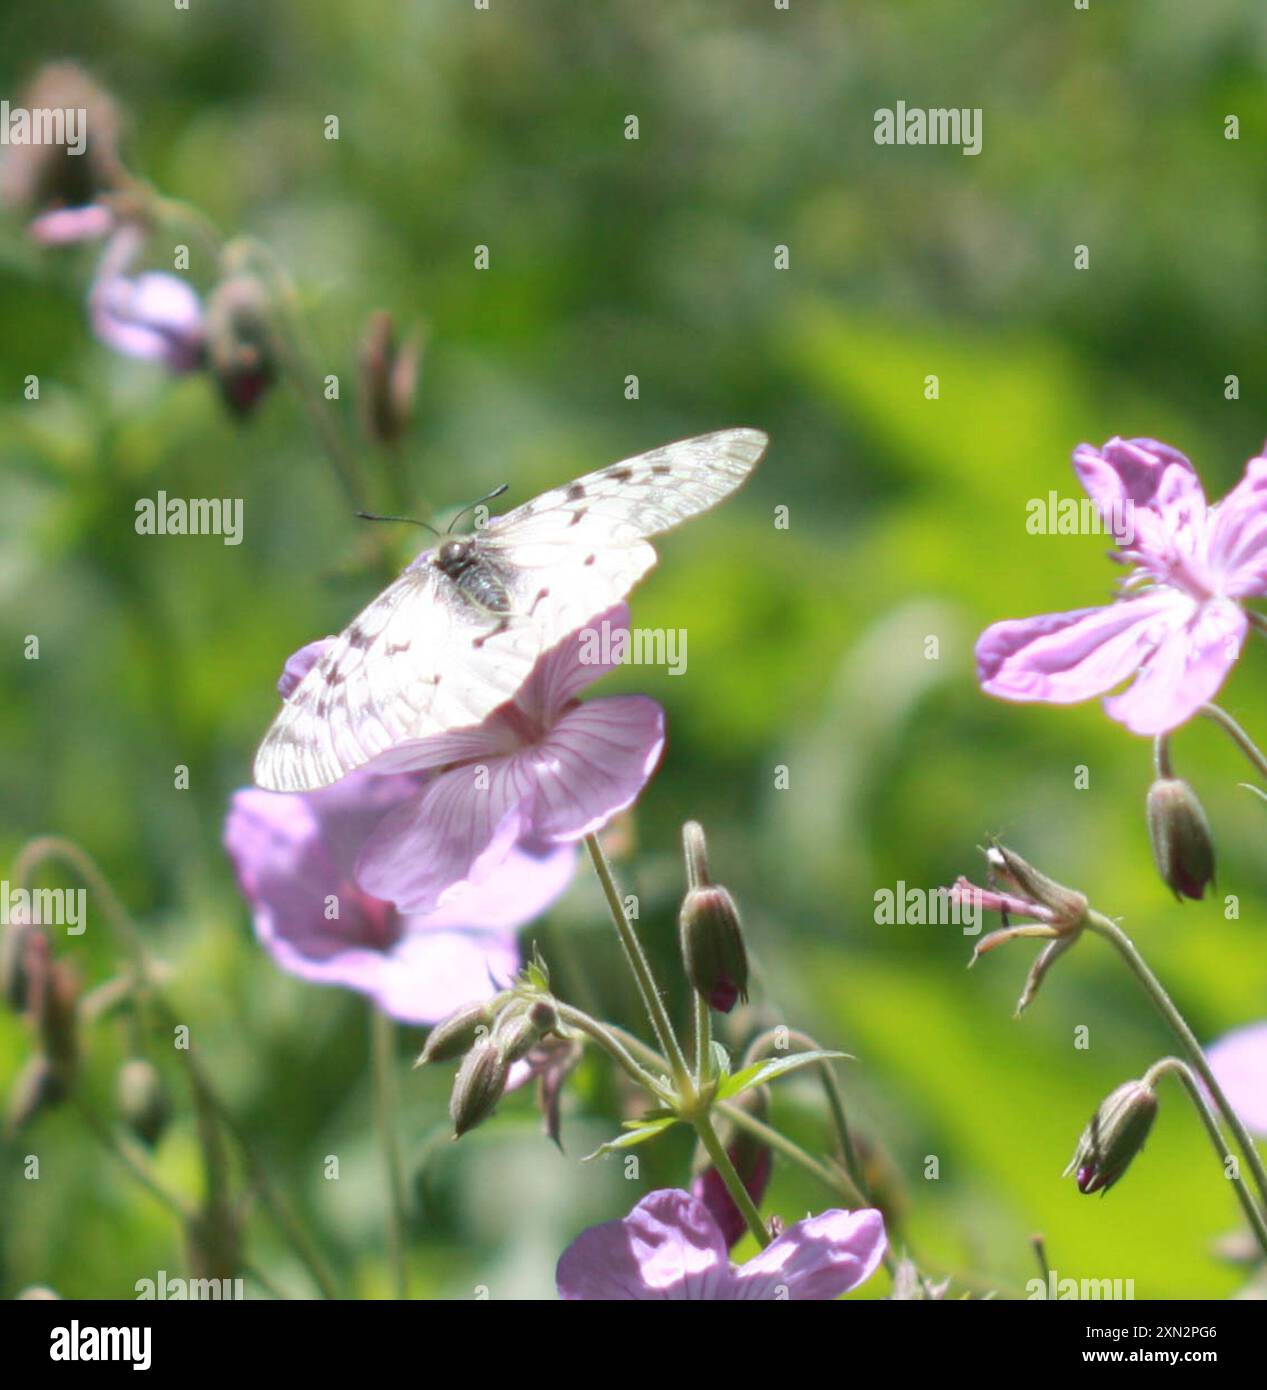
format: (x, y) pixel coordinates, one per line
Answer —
(576, 662)
(1238, 535)
(522, 886)
(455, 832)
(1146, 490)
(668, 1247)
(592, 764)
(819, 1258)
(1184, 672)
(1066, 657)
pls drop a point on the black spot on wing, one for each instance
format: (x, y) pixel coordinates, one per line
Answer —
(576, 492)
(619, 475)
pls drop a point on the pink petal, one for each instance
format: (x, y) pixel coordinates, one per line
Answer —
(455, 832)
(521, 888)
(1066, 657)
(154, 316)
(819, 1258)
(64, 226)
(429, 973)
(1184, 672)
(1149, 487)
(667, 1247)
(1238, 535)
(576, 662)
(593, 764)
(1239, 1063)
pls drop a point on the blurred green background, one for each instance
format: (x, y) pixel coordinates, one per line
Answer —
(807, 648)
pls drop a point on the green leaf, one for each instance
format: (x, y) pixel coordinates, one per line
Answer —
(721, 1062)
(642, 1131)
(761, 1072)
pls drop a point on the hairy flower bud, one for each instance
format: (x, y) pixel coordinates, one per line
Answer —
(458, 1033)
(712, 947)
(389, 376)
(479, 1085)
(142, 1100)
(1115, 1135)
(240, 340)
(1183, 848)
(515, 1034)
(38, 1086)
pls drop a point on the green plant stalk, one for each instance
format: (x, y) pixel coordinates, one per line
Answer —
(616, 1045)
(1153, 987)
(834, 1179)
(703, 1042)
(734, 1184)
(382, 1047)
(1175, 1067)
(760, 1047)
(640, 967)
(1237, 735)
(51, 847)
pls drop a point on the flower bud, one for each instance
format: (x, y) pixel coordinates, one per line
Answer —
(389, 376)
(15, 980)
(1183, 848)
(1115, 1135)
(479, 1085)
(142, 1100)
(456, 1035)
(240, 341)
(39, 1086)
(712, 947)
(515, 1034)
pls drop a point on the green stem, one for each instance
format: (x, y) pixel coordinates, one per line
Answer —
(1125, 947)
(761, 1046)
(138, 1168)
(703, 1042)
(51, 847)
(734, 1185)
(618, 1049)
(383, 1037)
(1161, 756)
(640, 967)
(1237, 735)
(1173, 1066)
(834, 1179)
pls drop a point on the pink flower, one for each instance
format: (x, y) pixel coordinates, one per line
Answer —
(1239, 1063)
(294, 853)
(542, 770)
(154, 316)
(66, 226)
(1178, 626)
(669, 1246)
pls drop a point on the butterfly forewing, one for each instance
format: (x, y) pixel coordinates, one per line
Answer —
(425, 658)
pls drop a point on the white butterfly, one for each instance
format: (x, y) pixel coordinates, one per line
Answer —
(458, 633)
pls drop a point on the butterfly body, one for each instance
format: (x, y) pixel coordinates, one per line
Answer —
(459, 631)
(474, 573)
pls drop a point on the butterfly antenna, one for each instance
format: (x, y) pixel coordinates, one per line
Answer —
(410, 520)
(496, 492)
